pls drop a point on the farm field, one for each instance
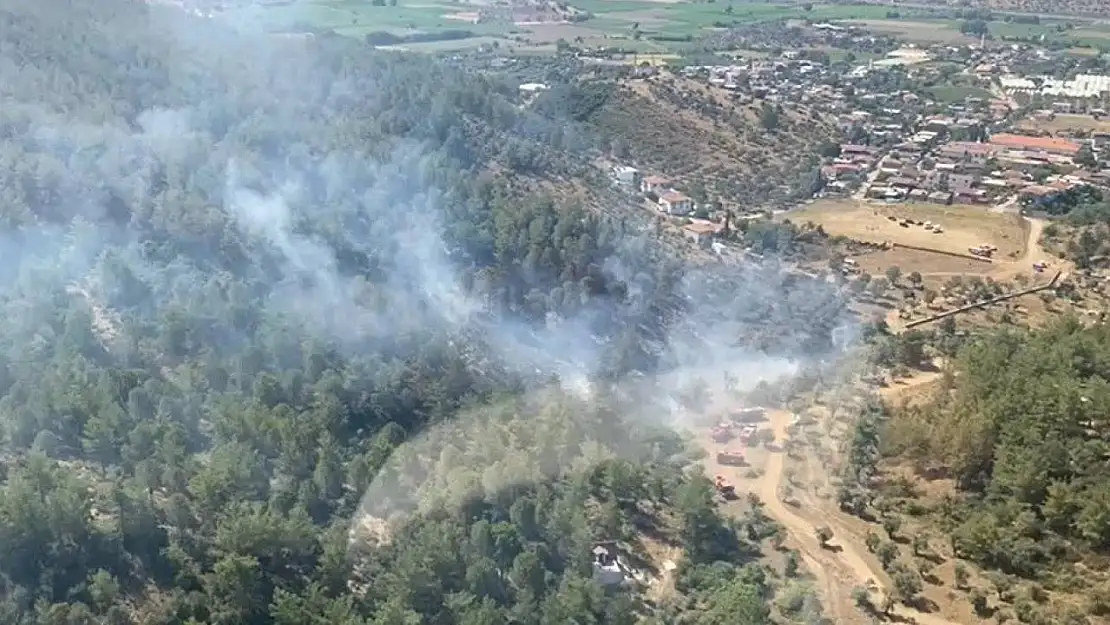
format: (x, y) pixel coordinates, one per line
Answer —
(964, 226)
(661, 26)
(1066, 124)
(1092, 35)
(360, 17)
(923, 31)
(446, 45)
(926, 31)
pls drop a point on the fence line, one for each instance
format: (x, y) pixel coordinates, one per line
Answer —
(987, 302)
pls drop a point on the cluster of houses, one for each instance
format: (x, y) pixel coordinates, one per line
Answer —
(781, 80)
(974, 172)
(658, 189)
(904, 143)
(661, 194)
(905, 147)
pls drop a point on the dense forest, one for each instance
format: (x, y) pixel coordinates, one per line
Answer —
(240, 271)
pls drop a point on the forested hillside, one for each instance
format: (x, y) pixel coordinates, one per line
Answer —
(1019, 426)
(240, 271)
(1082, 221)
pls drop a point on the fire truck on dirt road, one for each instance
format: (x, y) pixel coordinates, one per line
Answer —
(724, 487)
(732, 459)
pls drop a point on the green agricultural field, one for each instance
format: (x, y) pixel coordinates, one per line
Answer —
(634, 25)
(1094, 35)
(359, 17)
(681, 19)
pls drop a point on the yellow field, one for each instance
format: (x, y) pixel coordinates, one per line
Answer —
(1066, 123)
(964, 226)
(876, 263)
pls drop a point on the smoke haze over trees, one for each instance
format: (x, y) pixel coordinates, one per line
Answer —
(238, 271)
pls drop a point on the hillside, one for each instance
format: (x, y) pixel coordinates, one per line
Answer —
(246, 276)
(1009, 441)
(713, 145)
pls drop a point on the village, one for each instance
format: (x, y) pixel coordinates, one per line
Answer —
(1002, 138)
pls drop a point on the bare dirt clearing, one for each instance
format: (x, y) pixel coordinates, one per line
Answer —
(913, 390)
(1065, 124)
(1016, 237)
(963, 226)
(876, 263)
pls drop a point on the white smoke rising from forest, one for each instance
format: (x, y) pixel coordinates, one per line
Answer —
(295, 211)
(487, 449)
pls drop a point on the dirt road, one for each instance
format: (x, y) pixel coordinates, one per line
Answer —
(1034, 252)
(1033, 249)
(839, 567)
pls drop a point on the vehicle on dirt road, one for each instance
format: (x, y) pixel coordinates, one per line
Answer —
(724, 488)
(732, 459)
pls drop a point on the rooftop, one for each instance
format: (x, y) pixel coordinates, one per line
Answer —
(1048, 144)
(701, 228)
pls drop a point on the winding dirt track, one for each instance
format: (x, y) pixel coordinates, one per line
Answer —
(839, 568)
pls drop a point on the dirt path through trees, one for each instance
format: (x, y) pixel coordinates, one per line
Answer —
(840, 566)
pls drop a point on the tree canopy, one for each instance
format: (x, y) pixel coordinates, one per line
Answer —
(241, 271)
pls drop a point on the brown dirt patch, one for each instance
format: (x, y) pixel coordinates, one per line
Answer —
(964, 226)
(915, 390)
(463, 16)
(926, 263)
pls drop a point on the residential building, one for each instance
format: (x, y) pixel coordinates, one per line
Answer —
(967, 150)
(675, 204)
(700, 233)
(655, 184)
(627, 177)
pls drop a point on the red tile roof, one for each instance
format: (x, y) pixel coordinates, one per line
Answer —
(1048, 144)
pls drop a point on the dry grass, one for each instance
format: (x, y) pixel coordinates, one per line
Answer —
(964, 226)
(917, 32)
(1066, 124)
(550, 33)
(876, 263)
(649, 19)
